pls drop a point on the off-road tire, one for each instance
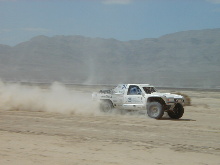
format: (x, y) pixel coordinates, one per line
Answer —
(177, 112)
(106, 106)
(155, 110)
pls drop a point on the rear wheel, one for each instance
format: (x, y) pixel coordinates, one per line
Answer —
(106, 106)
(177, 112)
(155, 110)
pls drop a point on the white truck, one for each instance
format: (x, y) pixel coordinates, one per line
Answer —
(142, 97)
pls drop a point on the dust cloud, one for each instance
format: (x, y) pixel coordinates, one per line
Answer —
(57, 98)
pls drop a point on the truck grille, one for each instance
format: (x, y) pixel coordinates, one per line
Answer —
(178, 100)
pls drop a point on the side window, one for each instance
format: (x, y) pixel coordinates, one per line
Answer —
(134, 90)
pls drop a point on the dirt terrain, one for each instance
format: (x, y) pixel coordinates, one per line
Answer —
(32, 137)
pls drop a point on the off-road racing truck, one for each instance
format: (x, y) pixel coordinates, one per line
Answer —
(142, 97)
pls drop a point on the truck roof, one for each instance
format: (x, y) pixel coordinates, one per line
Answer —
(142, 85)
(121, 87)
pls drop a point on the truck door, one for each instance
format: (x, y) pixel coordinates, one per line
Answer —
(133, 100)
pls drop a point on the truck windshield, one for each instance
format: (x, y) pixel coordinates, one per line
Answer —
(149, 90)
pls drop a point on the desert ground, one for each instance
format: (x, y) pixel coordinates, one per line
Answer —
(70, 130)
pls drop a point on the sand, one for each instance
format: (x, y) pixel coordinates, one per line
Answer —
(47, 137)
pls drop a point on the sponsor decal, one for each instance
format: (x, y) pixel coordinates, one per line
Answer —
(106, 96)
(124, 86)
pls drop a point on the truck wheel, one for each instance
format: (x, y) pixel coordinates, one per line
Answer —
(155, 110)
(106, 106)
(177, 112)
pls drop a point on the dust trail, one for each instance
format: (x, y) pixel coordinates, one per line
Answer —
(57, 98)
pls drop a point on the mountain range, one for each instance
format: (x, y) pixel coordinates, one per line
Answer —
(182, 59)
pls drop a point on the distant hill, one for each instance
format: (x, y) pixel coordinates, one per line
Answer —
(183, 59)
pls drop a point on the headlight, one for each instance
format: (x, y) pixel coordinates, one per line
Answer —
(170, 99)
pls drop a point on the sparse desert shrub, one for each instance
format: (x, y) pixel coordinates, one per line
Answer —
(187, 98)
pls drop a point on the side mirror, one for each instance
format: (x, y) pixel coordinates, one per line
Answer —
(143, 94)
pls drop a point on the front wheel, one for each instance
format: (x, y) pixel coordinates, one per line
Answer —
(177, 112)
(155, 110)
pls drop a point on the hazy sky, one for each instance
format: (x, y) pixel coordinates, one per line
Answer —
(124, 20)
